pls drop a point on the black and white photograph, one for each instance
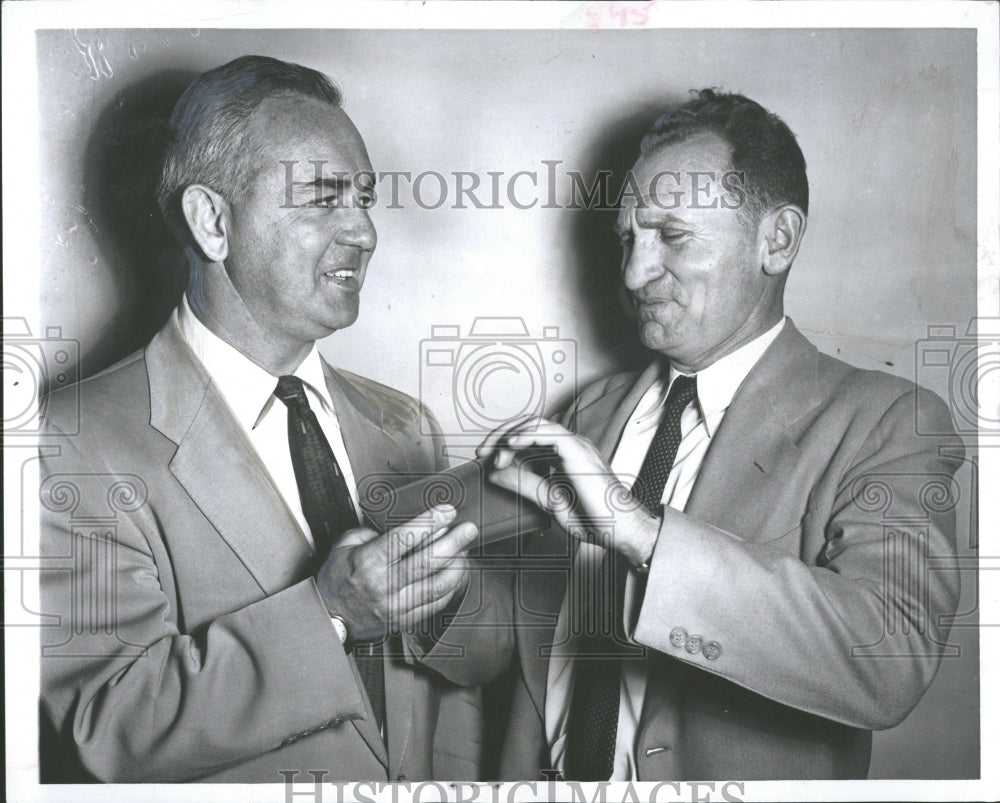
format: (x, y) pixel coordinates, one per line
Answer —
(471, 401)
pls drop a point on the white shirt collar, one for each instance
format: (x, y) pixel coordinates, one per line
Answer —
(718, 383)
(247, 388)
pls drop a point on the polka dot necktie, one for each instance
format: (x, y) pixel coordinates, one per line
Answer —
(326, 501)
(328, 509)
(592, 726)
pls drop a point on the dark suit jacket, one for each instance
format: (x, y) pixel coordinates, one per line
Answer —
(188, 639)
(802, 554)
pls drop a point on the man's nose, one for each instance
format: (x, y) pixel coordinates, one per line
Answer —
(360, 231)
(640, 266)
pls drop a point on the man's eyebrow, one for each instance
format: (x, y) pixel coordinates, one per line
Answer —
(650, 218)
(335, 183)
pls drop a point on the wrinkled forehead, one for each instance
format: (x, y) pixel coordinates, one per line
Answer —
(703, 150)
(302, 129)
(687, 167)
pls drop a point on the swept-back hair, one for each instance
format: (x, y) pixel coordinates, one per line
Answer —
(210, 142)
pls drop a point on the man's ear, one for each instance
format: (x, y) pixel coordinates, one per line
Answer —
(207, 216)
(781, 234)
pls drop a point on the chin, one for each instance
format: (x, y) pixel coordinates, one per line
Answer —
(342, 318)
(327, 327)
(656, 336)
(333, 328)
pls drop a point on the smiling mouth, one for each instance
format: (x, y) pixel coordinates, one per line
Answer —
(341, 273)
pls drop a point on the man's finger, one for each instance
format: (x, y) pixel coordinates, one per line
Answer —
(356, 536)
(416, 600)
(531, 433)
(519, 437)
(523, 482)
(557, 495)
(416, 615)
(542, 432)
(497, 437)
(435, 554)
(453, 540)
(406, 537)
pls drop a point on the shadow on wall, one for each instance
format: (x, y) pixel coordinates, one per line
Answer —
(607, 309)
(121, 168)
(596, 251)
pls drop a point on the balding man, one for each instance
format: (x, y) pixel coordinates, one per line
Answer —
(735, 608)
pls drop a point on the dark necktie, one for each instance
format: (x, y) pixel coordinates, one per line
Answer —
(592, 725)
(328, 509)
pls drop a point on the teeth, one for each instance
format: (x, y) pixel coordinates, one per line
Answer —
(339, 274)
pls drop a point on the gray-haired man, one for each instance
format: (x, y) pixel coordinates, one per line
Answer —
(244, 627)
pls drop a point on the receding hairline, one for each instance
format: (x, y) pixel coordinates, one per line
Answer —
(718, 165)
(695, 138)
(216, 133)
(289, 105)
(261, 133)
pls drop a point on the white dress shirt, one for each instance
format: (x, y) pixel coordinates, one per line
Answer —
(248, 390)
(717, 385)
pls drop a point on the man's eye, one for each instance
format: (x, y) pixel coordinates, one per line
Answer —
(672, 236)
(327, 202)
(365, 201)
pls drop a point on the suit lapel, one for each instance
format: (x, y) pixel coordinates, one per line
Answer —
(744, 472)
(219, 469)
(372, 450)
(604, 420)
(751, 447)
(224, 477)
(748, 465)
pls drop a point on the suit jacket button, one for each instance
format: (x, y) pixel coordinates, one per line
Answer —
(678, 636)
(711, 650)
(400, 778)
(693, 644)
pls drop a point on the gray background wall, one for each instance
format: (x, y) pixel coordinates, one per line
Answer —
(886, 120)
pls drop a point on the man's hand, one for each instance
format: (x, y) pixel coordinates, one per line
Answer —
(584, 496)
(382, 583)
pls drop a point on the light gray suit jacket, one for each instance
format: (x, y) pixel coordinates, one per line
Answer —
(802, 556)
(189, 641)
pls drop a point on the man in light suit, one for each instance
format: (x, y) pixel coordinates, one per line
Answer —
(753, 617)
(218, 615)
